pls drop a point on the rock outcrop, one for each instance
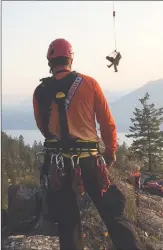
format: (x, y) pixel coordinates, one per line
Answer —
(20, 232)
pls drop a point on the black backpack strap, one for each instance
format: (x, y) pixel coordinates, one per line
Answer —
(63, 100)
(64, 131)
(61, 92)
(44, 97)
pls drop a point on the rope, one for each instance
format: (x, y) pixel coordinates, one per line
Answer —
(115, 40)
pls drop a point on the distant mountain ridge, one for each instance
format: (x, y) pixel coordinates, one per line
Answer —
(123, 108)
(20, 116)
(18, 101)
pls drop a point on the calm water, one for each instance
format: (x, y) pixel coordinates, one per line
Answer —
(31, 135)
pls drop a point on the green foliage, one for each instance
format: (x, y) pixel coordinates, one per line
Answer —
(145, 130)
(121, 154)
(18, 163)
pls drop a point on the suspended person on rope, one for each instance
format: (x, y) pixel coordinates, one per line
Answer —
(114, 60)
(72, 126)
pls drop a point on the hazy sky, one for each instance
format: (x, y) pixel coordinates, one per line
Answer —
(29, 27)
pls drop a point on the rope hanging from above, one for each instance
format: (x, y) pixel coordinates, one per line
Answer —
(115, 39)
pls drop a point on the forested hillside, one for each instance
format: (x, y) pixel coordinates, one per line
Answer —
(18, 163)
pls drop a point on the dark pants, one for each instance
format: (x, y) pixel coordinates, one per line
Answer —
(110, 207)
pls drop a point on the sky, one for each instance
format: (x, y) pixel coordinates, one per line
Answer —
(29, 27)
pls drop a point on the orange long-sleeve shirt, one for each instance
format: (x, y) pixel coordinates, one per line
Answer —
(87, 104)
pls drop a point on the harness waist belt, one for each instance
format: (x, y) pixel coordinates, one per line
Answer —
(71, 145)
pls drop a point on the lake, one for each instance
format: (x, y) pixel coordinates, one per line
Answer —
(34, 135)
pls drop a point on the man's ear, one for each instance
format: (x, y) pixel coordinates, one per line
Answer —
(70, 64)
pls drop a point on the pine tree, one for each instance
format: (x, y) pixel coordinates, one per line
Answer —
(122, 152)
(145, 130)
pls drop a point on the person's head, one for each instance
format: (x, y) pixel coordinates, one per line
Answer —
(60, 54)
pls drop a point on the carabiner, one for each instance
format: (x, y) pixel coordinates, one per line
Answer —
(72, 160)
(40, 153)
(59, 159)
(100, 160)
(52, 156)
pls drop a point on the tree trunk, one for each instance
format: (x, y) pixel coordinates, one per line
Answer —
(149, 162)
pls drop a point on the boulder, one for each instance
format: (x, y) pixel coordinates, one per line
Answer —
(21, 203)
(24, 213)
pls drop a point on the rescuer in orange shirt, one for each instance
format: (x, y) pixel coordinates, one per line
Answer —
(137, 178)
(87, 104)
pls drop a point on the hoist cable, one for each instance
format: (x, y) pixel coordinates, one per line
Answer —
(115, 40)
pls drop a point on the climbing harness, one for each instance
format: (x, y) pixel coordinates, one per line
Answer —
(55, 148)
(115, 56)
(56, 174)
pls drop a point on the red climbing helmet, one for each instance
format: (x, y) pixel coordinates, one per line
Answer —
(60, 47)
